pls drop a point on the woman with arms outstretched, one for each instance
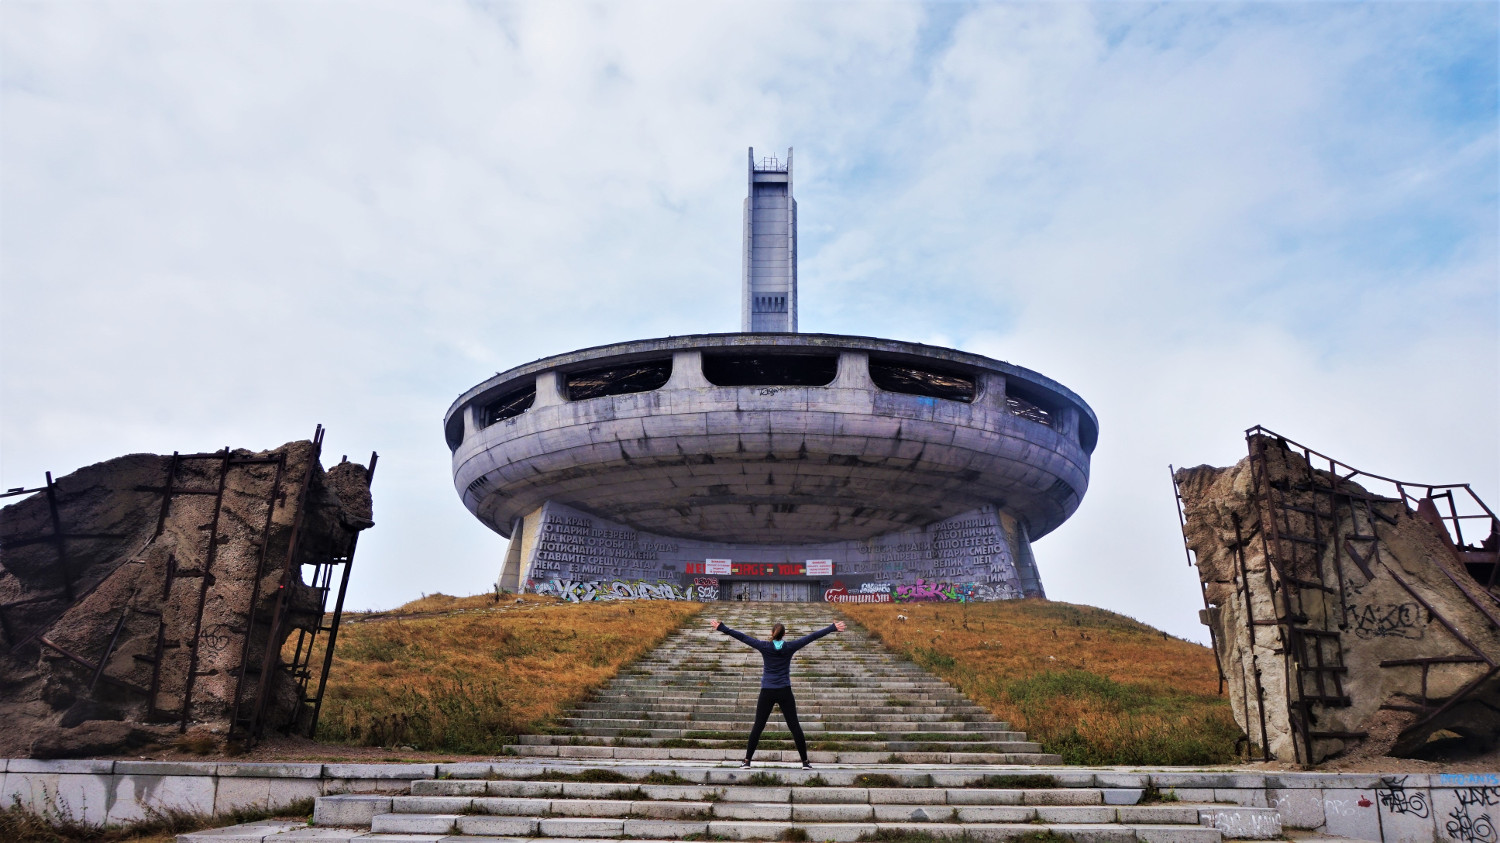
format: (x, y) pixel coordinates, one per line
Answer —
(776, 681)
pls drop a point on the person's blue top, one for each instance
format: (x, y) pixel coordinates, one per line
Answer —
(778, 672)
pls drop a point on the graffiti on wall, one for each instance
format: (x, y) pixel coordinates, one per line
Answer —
(589, 591)
(923, 591)
(1462, 825)
(1389, 620)
(840, 594)
(707, 587)
(1398, 800)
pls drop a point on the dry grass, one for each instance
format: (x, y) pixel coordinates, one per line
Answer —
(469, 674)
(1091, 685)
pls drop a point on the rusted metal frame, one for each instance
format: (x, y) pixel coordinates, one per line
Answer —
(1458, 528)
(1495, 568)
(1260, 693)
(1262, 493)
(1479, 604)
(41, 598)
(1364, 562)
(44, 625)
(205, 573)
(333, 637)
(60, 540)
(1267, 528)
(260, 571)
(10, 493)
(114, 639)
(1337, 549)
(1341, 735)
(1433, 660)
(166, 497)
(1457, 697)
(338, 610)
(268, 659)
(87, 665)
(1435, 614)
(161, 638)
(1317, 648)
(301, 665)
(15, 543)
(1213, 637)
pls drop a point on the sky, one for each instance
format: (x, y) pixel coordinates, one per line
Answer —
(224, 223)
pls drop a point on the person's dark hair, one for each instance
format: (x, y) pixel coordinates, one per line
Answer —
(777, 632)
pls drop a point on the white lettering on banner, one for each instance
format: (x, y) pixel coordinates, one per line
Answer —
(716, 567)
(820, 567)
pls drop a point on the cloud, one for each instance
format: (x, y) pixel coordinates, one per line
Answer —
(222, 225)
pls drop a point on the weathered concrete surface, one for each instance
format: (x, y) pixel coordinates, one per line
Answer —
(118, 579)
(846, 461)
(1371, 587)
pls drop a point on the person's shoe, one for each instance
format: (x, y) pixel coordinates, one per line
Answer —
(745, 763)
(806, 765)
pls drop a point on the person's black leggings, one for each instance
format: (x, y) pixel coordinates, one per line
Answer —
(772, 697)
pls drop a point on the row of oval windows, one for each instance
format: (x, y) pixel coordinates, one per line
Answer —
(762, 370)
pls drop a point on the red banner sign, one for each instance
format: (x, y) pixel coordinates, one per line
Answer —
(748, 569)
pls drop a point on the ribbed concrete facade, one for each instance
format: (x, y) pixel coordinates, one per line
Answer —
(769, 279)
(771, 466)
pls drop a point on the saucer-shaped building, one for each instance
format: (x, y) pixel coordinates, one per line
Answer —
(770, 464)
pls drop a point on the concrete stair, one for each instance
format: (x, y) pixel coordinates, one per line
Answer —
(693, 698)
(658, 803)
(654, 756)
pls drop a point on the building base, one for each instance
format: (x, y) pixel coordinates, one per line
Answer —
(981, 555)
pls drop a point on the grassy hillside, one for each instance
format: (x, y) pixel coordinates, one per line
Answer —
(468, 674)
(1091, 685)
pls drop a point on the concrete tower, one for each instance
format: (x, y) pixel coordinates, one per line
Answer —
(769, 297)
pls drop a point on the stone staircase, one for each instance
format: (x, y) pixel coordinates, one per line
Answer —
(693, 698)
(898, 755)
(886, 803)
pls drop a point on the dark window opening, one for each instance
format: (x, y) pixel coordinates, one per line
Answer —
(1028, 409)
(1088, 434)
(510, 405)
(769, 304)
(455, 431)
(619, 380)
(770, 369)
(913, 379)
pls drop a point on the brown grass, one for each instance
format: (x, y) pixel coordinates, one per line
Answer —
(469, 674)
(1091, 685)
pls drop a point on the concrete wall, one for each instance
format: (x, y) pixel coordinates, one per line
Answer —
(122, 792)
(968, 558)
(1397, 808)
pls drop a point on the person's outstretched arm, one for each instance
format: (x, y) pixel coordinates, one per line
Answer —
(798, 644)
(732, 633)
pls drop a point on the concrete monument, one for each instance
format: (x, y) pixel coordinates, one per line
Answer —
(771, 464)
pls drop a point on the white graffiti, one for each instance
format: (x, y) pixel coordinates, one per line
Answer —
(596, 590)
(1244, 824)
(1346, 807)
(874, 588)
(708, 589)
